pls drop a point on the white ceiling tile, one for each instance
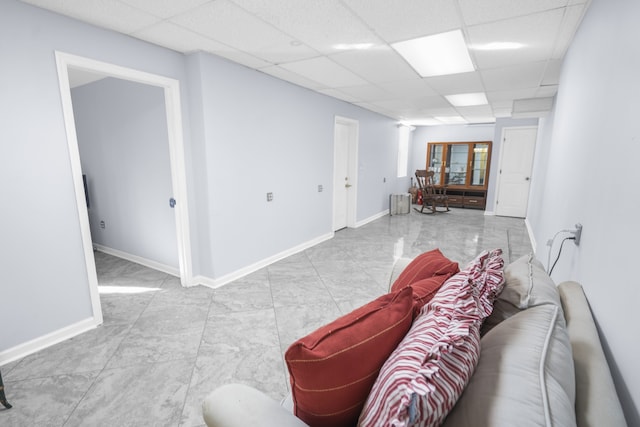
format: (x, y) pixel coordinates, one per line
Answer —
(111, 14)
(377, 109)
(515, 77)
(413, 88)
(226, 23)
(324, 71)
(456, 83)
(476, 12)
(321, 24)
(570, 23)
(398, 20)
(335, 93)
(546, 91)
(431, 102)
(367, 93)
(537, 34)
(284, 74)
(476, 110)
(165, 8)
(510, 95)
(443, 111)
(378, 64)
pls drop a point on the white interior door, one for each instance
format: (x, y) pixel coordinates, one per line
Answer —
(514, 177)
(344, 175)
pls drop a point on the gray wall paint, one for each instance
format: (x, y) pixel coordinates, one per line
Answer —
(122, 134)
(265, 135)
(590, 151)
(44, 286)
(252, 133)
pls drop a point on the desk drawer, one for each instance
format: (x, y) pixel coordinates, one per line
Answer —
(474, 202)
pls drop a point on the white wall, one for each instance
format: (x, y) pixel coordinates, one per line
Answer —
(122, 135)
(251, 134)
(590, 150)
(265, 135)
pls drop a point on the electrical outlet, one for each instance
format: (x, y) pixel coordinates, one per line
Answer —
(577, 233)
(102, 225)
(320, 188)
(269, 197)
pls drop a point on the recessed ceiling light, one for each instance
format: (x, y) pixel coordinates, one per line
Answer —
(498, 46)
(467, 99)
(437, 55)
(450, 119)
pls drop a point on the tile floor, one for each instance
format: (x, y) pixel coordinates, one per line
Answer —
(162, 347)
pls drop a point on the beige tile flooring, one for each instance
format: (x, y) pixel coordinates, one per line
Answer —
(162, 347)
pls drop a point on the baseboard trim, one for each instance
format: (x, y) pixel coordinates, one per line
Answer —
(40, 343)
(372, 218)
(138, 260)
(489, 213)
(230, 277)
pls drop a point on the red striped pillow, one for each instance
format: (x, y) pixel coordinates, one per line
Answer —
(423, 378)
(425, 265)
(333, 369)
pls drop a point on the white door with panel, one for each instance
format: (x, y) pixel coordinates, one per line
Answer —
(514, 176)
(344, 190)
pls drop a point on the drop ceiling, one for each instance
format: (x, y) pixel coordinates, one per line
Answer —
(342, 48)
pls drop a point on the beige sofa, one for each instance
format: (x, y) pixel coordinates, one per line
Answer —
(541, 364)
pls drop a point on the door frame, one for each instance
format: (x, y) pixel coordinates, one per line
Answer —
(502, 139)
(352, 168)
(171, 88)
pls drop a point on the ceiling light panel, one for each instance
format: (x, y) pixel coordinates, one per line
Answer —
(397, 20)
(324, 71)
(535, 33)
(477, 12)
(319, 24)
(467, 99)
(437, 55)
(226, 23)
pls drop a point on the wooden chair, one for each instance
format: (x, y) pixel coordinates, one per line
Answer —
(3, 399)
(432, 195)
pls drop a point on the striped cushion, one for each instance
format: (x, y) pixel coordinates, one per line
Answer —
(425, 265)
(425, 375)
(333, 369)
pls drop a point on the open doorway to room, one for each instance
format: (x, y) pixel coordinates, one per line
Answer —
(159, 88)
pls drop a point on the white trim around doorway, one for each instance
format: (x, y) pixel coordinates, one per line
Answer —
(171, 88)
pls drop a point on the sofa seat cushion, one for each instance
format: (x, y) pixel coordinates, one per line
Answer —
(525, 375)
(333, 369)
(423, 377)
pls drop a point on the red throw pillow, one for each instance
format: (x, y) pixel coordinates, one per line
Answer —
(425, 289)
(425, 265)
(333, 369)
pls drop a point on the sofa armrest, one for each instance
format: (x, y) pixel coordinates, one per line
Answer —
(238, 405)
(597, 403)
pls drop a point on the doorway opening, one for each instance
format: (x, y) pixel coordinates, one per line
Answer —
(173, 113)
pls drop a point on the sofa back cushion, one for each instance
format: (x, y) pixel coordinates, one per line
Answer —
(333, 369)
(527, 284)
(536, 382)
